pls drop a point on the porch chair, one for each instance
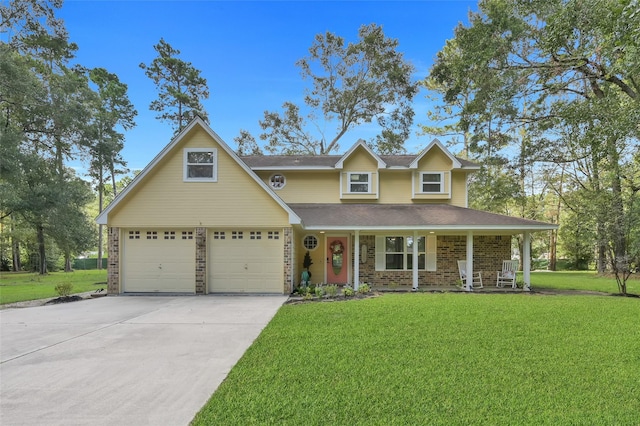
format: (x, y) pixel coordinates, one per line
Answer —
(476, 282)
(508, 274)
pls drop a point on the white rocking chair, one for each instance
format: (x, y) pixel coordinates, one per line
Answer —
(508, 274)
(476, 281)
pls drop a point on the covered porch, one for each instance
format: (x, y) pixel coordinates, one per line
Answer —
(412, 247)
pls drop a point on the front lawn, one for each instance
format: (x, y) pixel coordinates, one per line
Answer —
(581, 280)
(21, 286)
(440, 359)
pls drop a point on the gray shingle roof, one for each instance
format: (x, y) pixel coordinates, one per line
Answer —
(326, 161)
(418, 216)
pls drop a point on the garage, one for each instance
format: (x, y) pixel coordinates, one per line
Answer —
(158, 261)
(246, 261)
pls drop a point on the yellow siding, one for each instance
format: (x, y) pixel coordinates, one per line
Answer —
(307, 186)
(163, 198)
(434, 161)
(318, 257)
(459, 189)
(360, 161)
(395, 187)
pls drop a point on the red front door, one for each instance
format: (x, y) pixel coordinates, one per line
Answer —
(337, 260)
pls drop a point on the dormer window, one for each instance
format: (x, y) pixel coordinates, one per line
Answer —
(200, 165)
(432, 183)
(360, 183)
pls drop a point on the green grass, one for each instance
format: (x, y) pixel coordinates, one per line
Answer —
(18, 287)
(580, 280)
(446, 359)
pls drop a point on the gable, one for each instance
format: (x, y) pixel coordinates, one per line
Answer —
(161, 196)
(435, 160)
(360, 160)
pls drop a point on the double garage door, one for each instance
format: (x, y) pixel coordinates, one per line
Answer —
(238, 261)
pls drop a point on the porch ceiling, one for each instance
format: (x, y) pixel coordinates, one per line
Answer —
(410, 216)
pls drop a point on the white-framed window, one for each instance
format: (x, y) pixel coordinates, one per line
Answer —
(310, 242)
(277, 181)
(432, 183)
(200, 164)
(395, 253)
(359, 183)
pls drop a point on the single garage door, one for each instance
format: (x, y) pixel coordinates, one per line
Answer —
(159, 260)
(246, 260)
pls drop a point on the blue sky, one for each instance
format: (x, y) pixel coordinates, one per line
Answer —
(247, 52)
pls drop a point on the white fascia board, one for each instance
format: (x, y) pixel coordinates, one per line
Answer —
(436, 142)
(454, 228)
(102, 217)
(279, 168)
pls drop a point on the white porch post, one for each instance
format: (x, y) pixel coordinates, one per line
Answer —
(526, 262)
(469, 283)
(415, 260)
(356, 261)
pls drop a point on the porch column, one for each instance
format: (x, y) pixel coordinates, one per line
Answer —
(415, 260)
(469, 283)
(356, 260)
(526, 262)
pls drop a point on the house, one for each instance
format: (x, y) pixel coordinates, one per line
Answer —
(200, 219)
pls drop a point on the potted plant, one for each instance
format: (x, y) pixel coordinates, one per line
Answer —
(306, 273)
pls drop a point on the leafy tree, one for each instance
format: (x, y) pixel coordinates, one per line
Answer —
(574, 63)
(351, 85)
(247, 144)
(180, 87)
(112, 112)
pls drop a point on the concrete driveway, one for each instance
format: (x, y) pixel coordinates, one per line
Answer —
(130, 360)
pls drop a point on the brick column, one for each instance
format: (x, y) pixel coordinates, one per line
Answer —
(288, 260)
(201, 260)
(113, 261)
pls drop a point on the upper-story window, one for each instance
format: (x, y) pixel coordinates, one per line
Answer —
(432, 182)
(360, 183)
(277, 181)
(200, 165)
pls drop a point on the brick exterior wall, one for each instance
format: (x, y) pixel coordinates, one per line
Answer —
(113, 261)
(488, 254)
(289, 258)
(201, 260)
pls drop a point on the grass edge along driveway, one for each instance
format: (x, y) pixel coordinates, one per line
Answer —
(440, 359)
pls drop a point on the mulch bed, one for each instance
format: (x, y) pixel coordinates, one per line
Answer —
(64, 299)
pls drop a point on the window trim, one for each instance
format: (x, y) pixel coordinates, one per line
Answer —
(284, 181)
(368, 183)
(305, 238)
(422, 183)
(381, 253)
(186, 164)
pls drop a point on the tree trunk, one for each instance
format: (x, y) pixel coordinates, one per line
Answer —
(553, 253)
(42, 270)
(67, 263)
(15, 250)
(100, 207)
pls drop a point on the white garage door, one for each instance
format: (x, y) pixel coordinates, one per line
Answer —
(246, 260)
(159, 260)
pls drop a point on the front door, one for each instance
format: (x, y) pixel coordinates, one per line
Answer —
(337, 260)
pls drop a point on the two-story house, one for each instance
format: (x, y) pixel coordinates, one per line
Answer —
(200, 219)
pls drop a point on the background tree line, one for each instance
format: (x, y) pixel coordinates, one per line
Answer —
(543, 94)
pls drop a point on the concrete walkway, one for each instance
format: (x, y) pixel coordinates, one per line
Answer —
(123, 360)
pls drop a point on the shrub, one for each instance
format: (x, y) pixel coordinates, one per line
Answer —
(319, 290)
(64, 289)
(364, 288)
(331, 290)
(347, 291)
